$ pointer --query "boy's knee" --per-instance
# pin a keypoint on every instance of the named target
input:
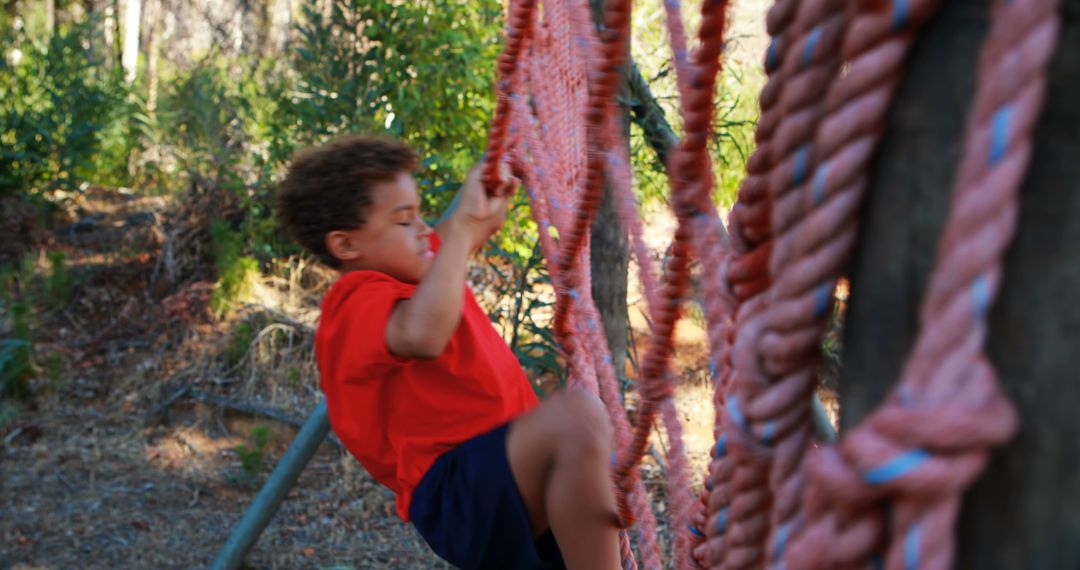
(585, 425)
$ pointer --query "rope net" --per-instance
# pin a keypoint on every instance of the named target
(888, 493)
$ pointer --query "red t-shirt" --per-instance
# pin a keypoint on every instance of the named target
(396, 416)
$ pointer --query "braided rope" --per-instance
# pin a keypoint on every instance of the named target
(792, 231)
(806, 219)
(774, 386)
(690, 173)
(655, 386)
(776, 400)
(735, 485)
(551, 159)
(580, 367)
(519, 23)
(930, 440)
(646, 522)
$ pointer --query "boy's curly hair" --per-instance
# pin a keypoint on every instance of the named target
(328, 187)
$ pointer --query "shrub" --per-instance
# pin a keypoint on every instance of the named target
(16, 365)
(251, 458)
(237, 273)
(243, 335)
(58, 286)
(56, 104)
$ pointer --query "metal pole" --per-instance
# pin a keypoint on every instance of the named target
(268, 500)
(822, 425)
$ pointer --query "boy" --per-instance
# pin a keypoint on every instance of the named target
(420, 387)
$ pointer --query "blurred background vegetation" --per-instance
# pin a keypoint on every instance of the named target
(150, 305)
(203, 102)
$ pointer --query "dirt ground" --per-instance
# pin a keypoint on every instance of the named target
(126, 454)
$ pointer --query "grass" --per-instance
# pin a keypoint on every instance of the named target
(252, 454)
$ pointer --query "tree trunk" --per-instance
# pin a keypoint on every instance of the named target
(280, 21)
(132, 30)
(110, 29)
(1024, 512)
(609, 259)
(50, 18)
(154, 32)
(649, 115)
(608, 263)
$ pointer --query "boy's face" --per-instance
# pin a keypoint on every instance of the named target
(394, 239)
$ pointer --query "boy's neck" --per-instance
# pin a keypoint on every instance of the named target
(347, 268)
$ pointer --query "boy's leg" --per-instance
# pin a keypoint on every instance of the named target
(560, 456)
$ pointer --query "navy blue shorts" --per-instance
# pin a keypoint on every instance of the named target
(469, 510)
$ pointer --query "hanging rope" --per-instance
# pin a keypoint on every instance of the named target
(549, 86)
(768, 292)
(745, 276)
(777, 348)
(930, 439)
(690, 172)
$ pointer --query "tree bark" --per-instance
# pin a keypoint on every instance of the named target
(50, 18)
(649, 115)
(111, 33)
(609, 262)
(154, 32)
(280, 22)
(132, 31)
(609, 258)
(1023, 513)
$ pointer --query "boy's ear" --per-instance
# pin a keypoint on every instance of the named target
(343, 245)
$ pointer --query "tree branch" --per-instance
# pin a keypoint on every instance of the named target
(646, 112)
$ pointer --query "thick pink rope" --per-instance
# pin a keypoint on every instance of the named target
(741, 276)
(930, 439)
(550, 160)
(571, 244)
(736, 487)
(580, 366)
(691, 191)
(777, 433)
(778, 286)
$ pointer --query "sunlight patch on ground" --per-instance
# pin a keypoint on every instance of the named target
(190, 451)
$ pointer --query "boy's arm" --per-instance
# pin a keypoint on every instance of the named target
(421, 326)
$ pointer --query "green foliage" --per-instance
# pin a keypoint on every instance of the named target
(243, 334)
(16, 365)
(9, 284)
(237, 273)
(16, 284)
(54, 370)
(734, 119)
(57, 106)
(226, 245)
(236, 284)
(735, 109)
(8, 413)
(252, 457)
(522, 290)
(292, 376)
(220, 126)
(58, 286)
(199, 122)
(422, 71)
